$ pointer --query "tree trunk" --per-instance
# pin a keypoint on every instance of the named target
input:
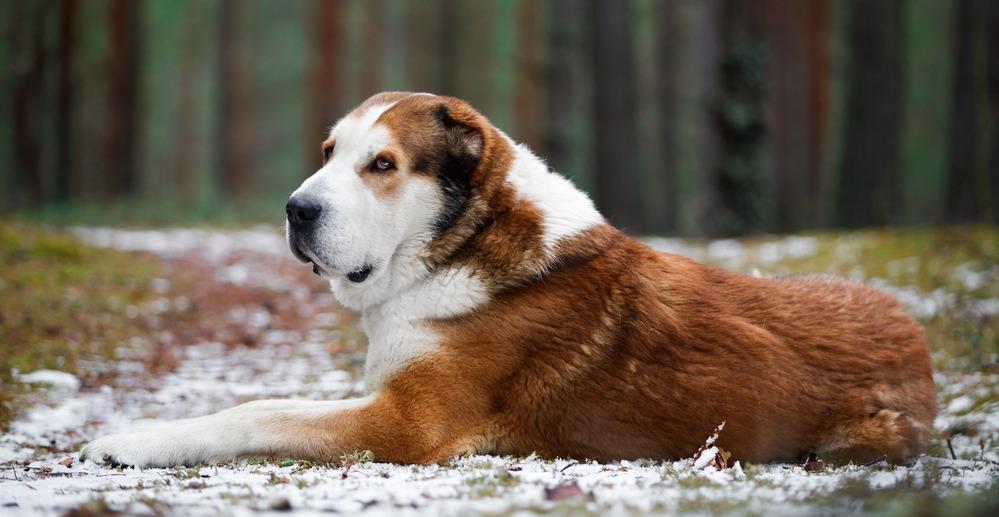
(561, 83)
(29, 59)
(798, 73)
(667, 90)
(819, 81)
(373, 23)
(708, 64)
(869, 192)
(449, 18)
(326, 88)
(962, 205)
(742, 183)
(423, 48)
(615, 132)
(235, 129)
(65, 89)
(188, 138)
(972, 132)
(124, 49)
(474, 41)
(789, 110)
(527, 95)
(992, 32)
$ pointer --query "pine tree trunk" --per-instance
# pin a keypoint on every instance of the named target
(742, 182)
(561, 83)
(819, 81)
(423, 47)
(962, 205)
(789, 111)
(29, 59)
(235, 129)
(124, 49)
(527, 95)
(667, 90)
(65, 90)
(326, 88)
(707, 58)
(373, 23)
(188, 138)
(970, 185)
(798, 96)
(449, 17)
(992, 30)
(474, 35)
(869, 191)
(615, 132)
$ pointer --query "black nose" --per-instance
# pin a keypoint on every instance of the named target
(302, 210)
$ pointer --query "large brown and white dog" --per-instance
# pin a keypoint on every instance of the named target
(505, 315)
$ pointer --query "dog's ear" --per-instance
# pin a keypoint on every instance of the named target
(464, 145)
(462, 133)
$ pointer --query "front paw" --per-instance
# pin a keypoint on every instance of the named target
(134, 449)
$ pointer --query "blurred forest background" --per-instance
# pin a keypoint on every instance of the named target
(682, 117)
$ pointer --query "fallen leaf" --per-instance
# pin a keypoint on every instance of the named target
(569, 490)
(711, 455)
(813, 463)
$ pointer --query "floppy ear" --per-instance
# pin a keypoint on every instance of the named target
(463, 151)
(462, 133)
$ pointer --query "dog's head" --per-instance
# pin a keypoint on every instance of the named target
(397, 173)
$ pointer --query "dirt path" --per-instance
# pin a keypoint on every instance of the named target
(247, 322)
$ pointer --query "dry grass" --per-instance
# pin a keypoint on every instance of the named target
(63, 305)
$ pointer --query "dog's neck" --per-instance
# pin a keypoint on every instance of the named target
(531, 223)
(518, 224)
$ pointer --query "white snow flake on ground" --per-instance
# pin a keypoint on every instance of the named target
(39, 477)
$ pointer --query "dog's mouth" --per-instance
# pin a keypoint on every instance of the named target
(356, 276)
(359, 275)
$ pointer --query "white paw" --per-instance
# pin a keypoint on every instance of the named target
(133, 449)
(146, 448)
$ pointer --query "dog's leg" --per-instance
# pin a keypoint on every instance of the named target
(316, 430)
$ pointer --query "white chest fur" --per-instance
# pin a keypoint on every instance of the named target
(397, 330)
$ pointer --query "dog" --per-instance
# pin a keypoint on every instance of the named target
(505, 315)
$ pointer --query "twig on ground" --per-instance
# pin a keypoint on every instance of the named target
(875, 461)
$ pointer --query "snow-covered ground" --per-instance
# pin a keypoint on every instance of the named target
(40, 473)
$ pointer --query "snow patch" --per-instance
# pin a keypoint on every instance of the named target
(54, 378)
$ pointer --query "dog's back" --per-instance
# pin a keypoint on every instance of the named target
(632, 353)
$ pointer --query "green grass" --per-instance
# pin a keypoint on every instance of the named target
(915, 494)
(62, 304)
(924, 258)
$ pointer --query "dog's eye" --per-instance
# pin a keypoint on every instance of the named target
(381, 165)
(327, 152)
